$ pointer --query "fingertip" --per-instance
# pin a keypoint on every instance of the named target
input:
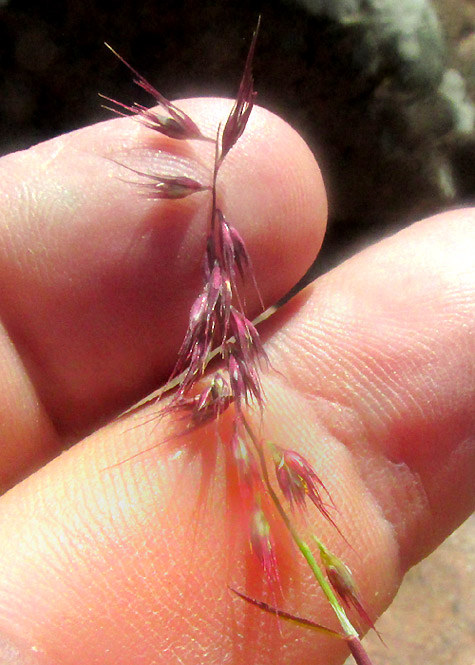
(274, 188)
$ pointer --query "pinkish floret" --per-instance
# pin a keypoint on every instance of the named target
(247, 338)
(168, 187)
(298, 480)
(163, 187)
(341, 579)
(176, 125)
(237, 120)
(212, 401)
(262, 544)
(244, 380)
(234, 254)
(246, 465)
(209, 317)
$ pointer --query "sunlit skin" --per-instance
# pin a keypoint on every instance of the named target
(374, 385)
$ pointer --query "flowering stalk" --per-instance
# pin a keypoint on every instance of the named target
(218, 326)
(306, 551)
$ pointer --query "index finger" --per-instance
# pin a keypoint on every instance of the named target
(97, 280)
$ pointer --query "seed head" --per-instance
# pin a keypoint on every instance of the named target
(209, 314)
(235, 257)
(244, 379)
(247, 338)
(210, 403)
(297, 479)
(246, 465)
(219, 298)
(168, 187)
(176, 124)
(233, 249)
(237, 120)
(344, 585)
(163, 187)
(196, 343)
(262, 543)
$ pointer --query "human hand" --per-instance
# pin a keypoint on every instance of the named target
(375, 384)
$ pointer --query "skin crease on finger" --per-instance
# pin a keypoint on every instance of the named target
(90, 269)
(375, 384)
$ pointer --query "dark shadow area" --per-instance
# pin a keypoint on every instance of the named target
(374, 88)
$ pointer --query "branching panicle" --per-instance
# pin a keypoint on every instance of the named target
(219, 328)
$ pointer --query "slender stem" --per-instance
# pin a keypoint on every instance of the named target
(216, 166)
(326, 588)
(358, 651)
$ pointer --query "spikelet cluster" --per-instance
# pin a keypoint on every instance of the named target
(218, 324)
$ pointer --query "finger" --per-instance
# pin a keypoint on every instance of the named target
(111, 565)
(393, 341)
(97, 280)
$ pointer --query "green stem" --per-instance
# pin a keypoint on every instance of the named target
(325, 586)
(345, 623)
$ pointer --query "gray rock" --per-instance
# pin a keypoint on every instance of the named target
(394, 126)
(371, 85)
(402, 36)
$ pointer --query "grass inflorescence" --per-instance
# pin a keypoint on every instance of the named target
(267, 474)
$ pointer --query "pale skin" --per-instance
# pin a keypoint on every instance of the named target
(375, 385)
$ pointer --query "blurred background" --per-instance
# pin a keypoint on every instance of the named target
(382, 90)
(431, 620)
